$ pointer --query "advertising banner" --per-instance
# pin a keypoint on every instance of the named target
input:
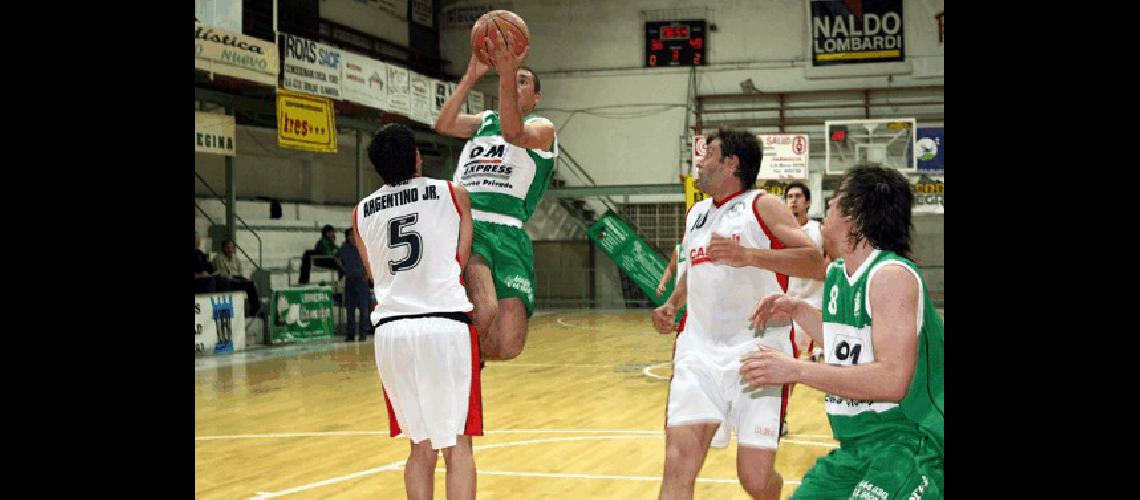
(305, 122)
(399, 91)
(363, 80)
(310, 67)
(214, 133)
(219, 322)
(846, 32)
(785, 157)
(233, 54)
(301, 314)
(632, 255)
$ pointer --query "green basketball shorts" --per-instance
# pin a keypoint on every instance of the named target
(882, 466)
(508, 253)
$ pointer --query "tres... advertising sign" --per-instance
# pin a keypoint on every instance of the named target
(305, 122)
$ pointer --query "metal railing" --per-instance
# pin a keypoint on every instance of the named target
(584, 177)
(256, 263)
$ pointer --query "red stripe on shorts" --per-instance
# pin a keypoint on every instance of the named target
(474, 425)
(393, 424)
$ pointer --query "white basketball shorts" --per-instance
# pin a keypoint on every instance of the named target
(430, 371)
(707, 388)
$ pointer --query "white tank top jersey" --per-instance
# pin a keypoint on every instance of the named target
(411, 234)
(808, 289)
(720, 297)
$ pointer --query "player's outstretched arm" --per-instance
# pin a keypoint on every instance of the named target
(663, 316)
(669, 270)
(799, 258)
(451, 121)
(894, 295)
(781, 308)
(537, 134)
(466, 228)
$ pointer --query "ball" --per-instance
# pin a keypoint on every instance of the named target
(505, 22)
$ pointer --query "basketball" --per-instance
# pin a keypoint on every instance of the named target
(505, 22)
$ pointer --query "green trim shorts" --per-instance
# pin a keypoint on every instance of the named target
(509, 255)
(882, 466)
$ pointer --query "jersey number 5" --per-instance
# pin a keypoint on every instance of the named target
(411, 239)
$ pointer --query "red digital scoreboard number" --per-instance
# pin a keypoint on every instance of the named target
(676, 43)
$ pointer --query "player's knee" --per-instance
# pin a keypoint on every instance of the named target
(424, 451)
(678, 464)
(757, 482)
(513, 345)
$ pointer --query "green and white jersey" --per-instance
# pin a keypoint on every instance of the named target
(847, 341)
(504, 179)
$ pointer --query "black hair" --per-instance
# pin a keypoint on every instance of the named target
(803, 187)
(327, 228)
(534, 78)
(879, 201)
(744, 146)
(348, 235)
(393, 153)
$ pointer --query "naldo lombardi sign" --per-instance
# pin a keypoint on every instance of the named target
(856, 31)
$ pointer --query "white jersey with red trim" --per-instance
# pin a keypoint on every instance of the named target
(411, 234)
(720, 297)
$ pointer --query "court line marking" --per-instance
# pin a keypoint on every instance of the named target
(326, 482)
(398, 465)
(568, 475)
(549, 365)
(644, 432)
(648, 371)
(565, 324)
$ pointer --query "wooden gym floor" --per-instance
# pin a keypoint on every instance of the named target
(578, 415)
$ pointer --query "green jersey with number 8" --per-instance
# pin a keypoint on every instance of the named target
(847, 342)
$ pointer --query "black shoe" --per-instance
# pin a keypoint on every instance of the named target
(349, 339)
(482, 364)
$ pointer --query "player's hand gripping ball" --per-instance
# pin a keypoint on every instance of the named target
(505, 22)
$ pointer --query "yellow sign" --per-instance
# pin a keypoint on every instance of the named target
(305, 122)
(776, 188)
(692, 194)
(930, 188)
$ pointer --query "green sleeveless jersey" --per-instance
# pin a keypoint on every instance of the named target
(847, 342)
(501, 177)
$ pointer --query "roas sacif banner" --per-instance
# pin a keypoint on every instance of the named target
(309, 66)
(305, 122)
(856, 31)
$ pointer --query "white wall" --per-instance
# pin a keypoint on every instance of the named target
(368, 18)
(588, 56)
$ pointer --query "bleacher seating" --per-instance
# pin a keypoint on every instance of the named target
(283, 241)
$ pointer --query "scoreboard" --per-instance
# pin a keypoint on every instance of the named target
(676, 43)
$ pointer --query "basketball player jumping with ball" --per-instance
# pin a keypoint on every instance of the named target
(506, 165)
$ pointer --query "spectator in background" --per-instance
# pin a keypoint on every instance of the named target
(323, 255)
(798, 198)
(356, 292)
(231, 277)
(203, 280)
